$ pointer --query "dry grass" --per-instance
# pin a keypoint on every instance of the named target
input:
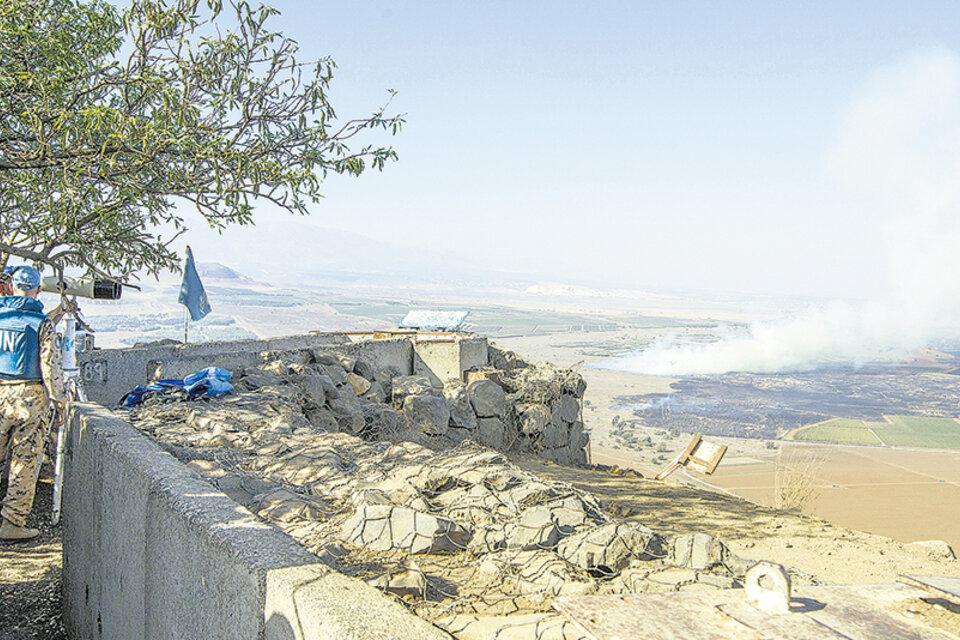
(795, 483)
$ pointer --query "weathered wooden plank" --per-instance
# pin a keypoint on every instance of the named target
(658, 616)
(873, 611)
(942, 586)
(854, 612)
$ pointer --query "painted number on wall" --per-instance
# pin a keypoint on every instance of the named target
(94, 371)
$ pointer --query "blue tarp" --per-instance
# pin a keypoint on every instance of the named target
(206, 383)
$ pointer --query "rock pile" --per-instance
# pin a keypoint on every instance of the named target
(524, 407)
(545, 407)
(465, 538)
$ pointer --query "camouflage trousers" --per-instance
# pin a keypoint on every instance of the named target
(24, 409)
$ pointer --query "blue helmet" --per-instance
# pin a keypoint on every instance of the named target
(25, 278)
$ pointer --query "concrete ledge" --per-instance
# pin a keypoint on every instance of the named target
(152, 551)
(315, 603)
(107, 374)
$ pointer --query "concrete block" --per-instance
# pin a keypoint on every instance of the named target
(313, 602)
(107, 374)
(444, 361)
(152, 551)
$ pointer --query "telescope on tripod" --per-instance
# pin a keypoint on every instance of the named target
(95, 288)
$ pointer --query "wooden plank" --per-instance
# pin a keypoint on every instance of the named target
(680, 459)
(787, 626)
(657, 616)
(854, 612)
(938, 585)
(873, 611)
(706, 456)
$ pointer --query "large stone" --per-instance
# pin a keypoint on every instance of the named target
(336, 373)
(325, 358)
(375, 393)
(609, 548)
(578, 439)
(348, 411)
(365, 369)
(427, 413)
(344, 405)
(404, 386)
(937, 549)
(360, 384)
(696, 551)
(381, 420)
(534, 573)
(259, 378)
(312, 386)
(573, 383)
(403, 580)
(569, 408)
(534, 530)
(458, 403)
(491, 432)
(283, 505)
(555, 435)
(322, 419)
(504, 359)
(488, 399)
(571, 514)
(384, 528)
(533, 418)
(329, 389)
(385, 376)
(347, 362)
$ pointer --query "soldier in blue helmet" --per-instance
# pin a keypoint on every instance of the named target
(6, 285)
(31, 379)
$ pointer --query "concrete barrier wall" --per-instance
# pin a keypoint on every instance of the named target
(107, 374)
(447, 360)
(152, 551)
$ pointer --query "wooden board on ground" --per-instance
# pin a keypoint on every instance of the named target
(699, 455)
(855, 612)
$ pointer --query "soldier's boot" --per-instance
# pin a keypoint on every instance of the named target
(10, 532)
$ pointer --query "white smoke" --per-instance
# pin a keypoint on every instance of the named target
(898, 147)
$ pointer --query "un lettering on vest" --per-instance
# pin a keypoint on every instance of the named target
(8, 340)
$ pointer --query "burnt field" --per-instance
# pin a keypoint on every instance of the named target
(768, 406)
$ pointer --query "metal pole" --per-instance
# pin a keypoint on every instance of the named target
(72, 379)
(186, 320)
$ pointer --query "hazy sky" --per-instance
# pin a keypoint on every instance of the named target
(697, 145)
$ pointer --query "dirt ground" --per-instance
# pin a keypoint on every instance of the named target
(909, 495)
(30, 573)
(830, 553)
(30, 596)
(906, 495)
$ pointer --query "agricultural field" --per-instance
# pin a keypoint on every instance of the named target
(895, 430)
(501, 321)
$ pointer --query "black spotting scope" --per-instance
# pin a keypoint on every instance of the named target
(96, 288)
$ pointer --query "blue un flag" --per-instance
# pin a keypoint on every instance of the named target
(192, 295)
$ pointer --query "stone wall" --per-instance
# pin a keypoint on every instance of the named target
(151, 551)
(107, 374)
(526, 407)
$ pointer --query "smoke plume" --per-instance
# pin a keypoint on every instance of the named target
(898, 149)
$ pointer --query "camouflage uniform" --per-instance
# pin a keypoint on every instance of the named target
(24, 409)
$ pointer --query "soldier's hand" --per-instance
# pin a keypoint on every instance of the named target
(59, 412)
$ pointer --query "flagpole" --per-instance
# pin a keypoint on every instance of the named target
(186, 321)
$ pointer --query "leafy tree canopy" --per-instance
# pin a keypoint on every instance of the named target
(110, 119)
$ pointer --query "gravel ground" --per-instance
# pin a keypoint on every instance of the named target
(30, 594)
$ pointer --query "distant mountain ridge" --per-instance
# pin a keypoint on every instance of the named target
(219, 271)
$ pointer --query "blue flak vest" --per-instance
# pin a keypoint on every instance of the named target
(20, 320)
